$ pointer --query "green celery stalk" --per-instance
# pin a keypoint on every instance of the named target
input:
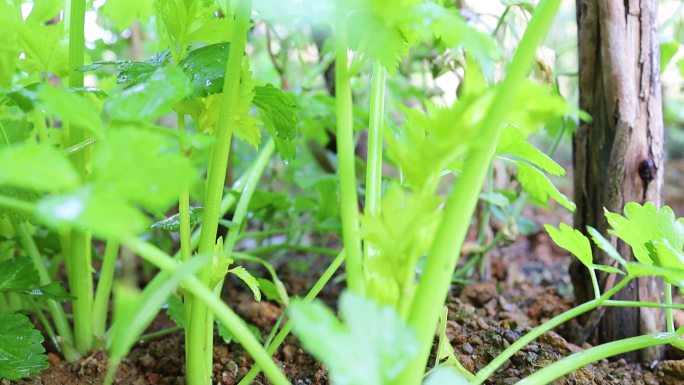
(200, 328)
(345, 165)
(434, 284)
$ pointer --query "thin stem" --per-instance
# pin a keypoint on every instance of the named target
(581, 359)
(658, 305)
(251, 183)
(374, 160)
(669, 317)
(54, 307)
(285, 331)
(159, 334)
(594, 282)
(225, 314)
(533, 334)
(305, 249)
(346, 166)
(199, 338)
(185, 229)
(104, 289)
(16, 205)
(443, 257)
(80, 279)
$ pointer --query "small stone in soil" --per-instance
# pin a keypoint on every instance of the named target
(467, 348)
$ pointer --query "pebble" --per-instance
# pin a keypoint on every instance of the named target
(148, 362)
(467, 348)
(482, 324)
(510, 335)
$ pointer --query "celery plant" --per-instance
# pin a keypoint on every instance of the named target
(79, 260)
(200, 336)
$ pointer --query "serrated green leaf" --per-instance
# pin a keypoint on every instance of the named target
(44, 10)
(53, 290)
(23, 97)
(176, 310)
(540, 187)
(21, 349)
(17, 274)
(248, 279)
(227, 336)
(172, 223)
(514, 142)
(45, 48)
(39, 167)
(646, 223)
(573, 241)
(674, 276)
(141, 167)
(151, 98)
(187, 22)
(122, 13)
(206, 68)
(71, 108)
(371, 347)
(605, 245)
(270, 290)
(130, 73)
(106, 216)
(245, 125)
(279, 112)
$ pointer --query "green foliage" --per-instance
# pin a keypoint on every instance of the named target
(71, 108)
(206, 68)
(646, 223)
(134, 311)
(190, 21)
(150, 98)
(540, 188)
(401, 234)
(371, 347)
(573, 241)
(279, 112)
(17, 274)
(123, 13)
(21, 349)
(29, 169)
(172, 223)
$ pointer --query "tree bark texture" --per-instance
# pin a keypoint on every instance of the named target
(618, 156)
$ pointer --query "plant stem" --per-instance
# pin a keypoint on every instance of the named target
(223, 313)
(374, 161)
(285, 331)
(533, 334)
(302, 248)
(253, 177)
(434, 284)
(159, 334)
(54, 307)
(345, 165)
(578, 360)
(669, 317)
(185, 230)
(80, 277)
(200, 339)
(16, 205)
(104, 290)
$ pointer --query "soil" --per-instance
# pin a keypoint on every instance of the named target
(528, 284)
